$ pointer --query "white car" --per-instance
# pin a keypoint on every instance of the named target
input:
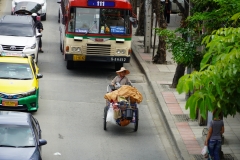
(19, 35)
(42, 12)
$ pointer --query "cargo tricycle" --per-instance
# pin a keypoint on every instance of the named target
(121, 111)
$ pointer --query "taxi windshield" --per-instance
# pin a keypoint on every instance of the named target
(20, 71)
(16, 136)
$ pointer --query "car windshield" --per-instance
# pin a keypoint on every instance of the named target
(15, 71)
(20, 30)
(16, 136)
(99, 21)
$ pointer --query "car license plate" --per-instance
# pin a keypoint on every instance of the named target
(78, 57)
(10, 103)
(11, 54)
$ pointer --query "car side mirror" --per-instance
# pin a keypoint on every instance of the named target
(42, 142)
(59, 1)
(39, 76)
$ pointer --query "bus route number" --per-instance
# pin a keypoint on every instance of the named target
(101, 3)
(118, 59)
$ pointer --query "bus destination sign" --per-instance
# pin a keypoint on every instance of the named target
(101, 3)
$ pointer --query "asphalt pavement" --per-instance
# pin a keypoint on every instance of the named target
(186, 133)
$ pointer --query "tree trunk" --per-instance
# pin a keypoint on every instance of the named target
(160, 57)
(134, 6)
(141, 19)
(180, 68)
(178, 74)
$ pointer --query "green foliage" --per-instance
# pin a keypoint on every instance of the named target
(183, 52)
(217, 84)
(213, 14)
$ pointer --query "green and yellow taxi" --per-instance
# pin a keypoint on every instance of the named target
(19, 88)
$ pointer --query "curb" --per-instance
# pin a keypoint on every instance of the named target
(145, 70)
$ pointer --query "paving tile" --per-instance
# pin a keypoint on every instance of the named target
(164, 82)
(170, 100)
(176, 112)
(182, 124)
(188, 130)
(174, 109)
(173, 105)
(167, 93)
(195, 151)
(191, 142)
(172, 68)
(163, 68)
(187, 138)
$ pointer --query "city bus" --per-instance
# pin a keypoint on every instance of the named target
(96, 31)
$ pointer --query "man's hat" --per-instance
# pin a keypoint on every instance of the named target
(123, 69)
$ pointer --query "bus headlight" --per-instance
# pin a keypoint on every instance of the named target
(120, 51)
(76, 49)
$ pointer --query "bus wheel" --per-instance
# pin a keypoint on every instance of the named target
(70, 65)
(118, 66)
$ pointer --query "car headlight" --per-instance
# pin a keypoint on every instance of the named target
(120, 51)
(17, 96)
(1, 49)
(31, 47)
(76, 49)
(29, 93)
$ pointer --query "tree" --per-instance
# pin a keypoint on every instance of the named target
(134, 6)
(217, 83)
(160, 57)
(141, 19)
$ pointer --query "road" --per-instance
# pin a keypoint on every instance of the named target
(72, 102)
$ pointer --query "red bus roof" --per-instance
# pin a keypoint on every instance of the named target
(120, 4)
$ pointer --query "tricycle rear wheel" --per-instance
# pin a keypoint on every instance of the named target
(136, 120)
(105, 118)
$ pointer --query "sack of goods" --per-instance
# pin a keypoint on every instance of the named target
(125, 91)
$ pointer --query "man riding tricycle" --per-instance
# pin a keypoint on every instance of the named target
(121, 105)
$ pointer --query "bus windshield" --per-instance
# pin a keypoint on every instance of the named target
(99, 21)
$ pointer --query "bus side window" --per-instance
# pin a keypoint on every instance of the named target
(71, 27)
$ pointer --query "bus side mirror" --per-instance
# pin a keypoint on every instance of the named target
(134, 21)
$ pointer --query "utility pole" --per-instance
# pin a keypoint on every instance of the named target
(189, 68)
(148, 22)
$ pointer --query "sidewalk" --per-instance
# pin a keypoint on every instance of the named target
(186, 133)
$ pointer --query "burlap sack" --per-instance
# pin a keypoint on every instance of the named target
(125, 91)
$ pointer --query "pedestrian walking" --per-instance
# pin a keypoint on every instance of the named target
(167, 10)
(214, 136)
(39, 27)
